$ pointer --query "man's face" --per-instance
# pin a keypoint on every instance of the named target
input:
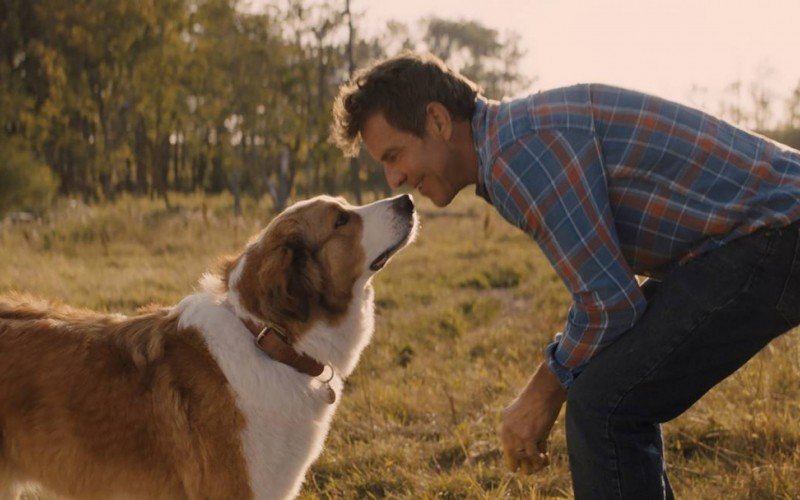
(427, 164)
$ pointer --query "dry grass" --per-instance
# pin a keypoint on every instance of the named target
(463, 316)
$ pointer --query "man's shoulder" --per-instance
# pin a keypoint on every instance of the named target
(580, 98)
(565, 109)
(574, 94)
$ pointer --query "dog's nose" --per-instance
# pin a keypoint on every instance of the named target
(404, 204)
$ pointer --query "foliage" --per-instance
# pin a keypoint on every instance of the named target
(149, 96)
(25, 182)
(480, 53)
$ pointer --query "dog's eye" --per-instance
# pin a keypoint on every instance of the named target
(342, 219)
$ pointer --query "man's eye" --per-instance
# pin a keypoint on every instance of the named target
(342, 219)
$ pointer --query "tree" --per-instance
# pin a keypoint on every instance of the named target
(793, 120)
(731, 106)
(762, 97)
(26, 183)
(480, 53)
(150, 96)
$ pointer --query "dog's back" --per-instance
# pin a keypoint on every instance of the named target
(131, 406)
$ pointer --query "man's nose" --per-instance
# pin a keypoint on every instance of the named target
(394, 178)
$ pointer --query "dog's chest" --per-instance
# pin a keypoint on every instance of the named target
(286, 413)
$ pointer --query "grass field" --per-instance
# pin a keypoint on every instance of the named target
(463, 316)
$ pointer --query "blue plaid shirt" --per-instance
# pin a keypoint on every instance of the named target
(612, 183)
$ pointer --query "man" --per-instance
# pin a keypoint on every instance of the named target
(611, 184)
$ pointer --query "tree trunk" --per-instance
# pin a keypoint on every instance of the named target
(182, 158)
(140, 157)
(174, 149)
(235, 184)
(355, 177)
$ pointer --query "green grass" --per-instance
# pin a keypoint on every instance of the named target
(462, 318)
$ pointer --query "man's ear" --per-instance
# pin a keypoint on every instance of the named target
(438, 121)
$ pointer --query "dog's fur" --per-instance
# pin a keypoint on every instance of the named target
(178, 402)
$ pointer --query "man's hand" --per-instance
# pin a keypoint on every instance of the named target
(528, 419)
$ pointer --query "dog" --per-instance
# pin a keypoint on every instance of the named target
(228, 394)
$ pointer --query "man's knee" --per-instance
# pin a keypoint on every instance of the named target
(598, 404)
(589, 406)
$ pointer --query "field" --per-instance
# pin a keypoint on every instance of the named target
(463, 316)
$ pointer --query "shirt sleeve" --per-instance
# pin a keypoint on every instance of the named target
(552, 184)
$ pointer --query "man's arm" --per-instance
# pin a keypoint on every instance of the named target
(553, 185)
(527, 422)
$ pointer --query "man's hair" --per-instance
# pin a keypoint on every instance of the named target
(401, 88)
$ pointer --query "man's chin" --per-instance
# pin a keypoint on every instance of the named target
(439, 196)
(441, 201)
(443, 198)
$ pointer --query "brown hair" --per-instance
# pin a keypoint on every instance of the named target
(401, 87)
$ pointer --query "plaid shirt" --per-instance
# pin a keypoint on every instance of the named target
(612, 183)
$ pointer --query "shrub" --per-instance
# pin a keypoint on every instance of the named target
(26, 183)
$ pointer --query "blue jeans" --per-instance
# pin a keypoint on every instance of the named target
(703, 321)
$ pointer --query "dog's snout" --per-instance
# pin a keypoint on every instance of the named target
(404, 204)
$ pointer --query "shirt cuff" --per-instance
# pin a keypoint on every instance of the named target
(565, 376)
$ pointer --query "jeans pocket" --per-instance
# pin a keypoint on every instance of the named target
(788, 304)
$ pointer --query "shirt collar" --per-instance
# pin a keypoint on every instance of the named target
(480, 140)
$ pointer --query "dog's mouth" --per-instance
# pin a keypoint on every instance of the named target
(383, 258)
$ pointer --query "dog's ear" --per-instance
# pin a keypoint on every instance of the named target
(286, 280)
(224, 269)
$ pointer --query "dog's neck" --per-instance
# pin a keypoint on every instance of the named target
(272, 339)
(338, 346)
(274, 342)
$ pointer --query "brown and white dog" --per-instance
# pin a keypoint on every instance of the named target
(179, 402)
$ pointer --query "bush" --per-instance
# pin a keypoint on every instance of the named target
(26, 183)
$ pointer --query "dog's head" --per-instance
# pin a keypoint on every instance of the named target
(311, 258)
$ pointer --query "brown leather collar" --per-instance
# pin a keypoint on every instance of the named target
(276, 345)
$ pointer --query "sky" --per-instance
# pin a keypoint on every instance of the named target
(664, 47)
